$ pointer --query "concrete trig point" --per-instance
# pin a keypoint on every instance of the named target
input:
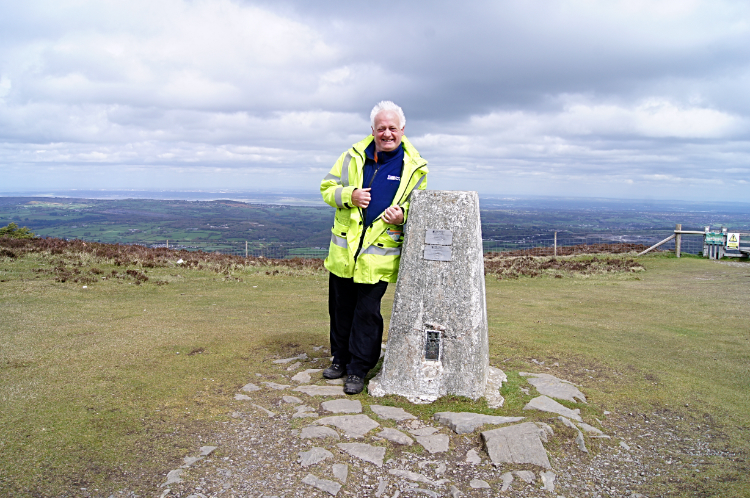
(437, 340)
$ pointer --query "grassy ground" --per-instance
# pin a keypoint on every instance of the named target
(673, 339)
(108, 387)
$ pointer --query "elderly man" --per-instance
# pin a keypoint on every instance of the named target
(370, 186)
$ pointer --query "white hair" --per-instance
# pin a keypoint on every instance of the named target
(387, 105)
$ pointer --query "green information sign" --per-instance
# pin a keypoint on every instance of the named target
(714, 238)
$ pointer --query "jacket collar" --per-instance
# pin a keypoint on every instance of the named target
(411, 155)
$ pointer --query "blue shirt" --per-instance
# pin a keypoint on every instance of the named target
(383, 177)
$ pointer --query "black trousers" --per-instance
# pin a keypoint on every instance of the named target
(356, 323)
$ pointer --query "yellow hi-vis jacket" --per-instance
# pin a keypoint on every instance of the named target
(367, 254)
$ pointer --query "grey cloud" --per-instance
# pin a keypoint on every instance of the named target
(483, 55)
(513, 95)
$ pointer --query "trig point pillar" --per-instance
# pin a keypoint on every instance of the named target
(437, 340)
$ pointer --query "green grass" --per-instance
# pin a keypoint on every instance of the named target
(677, 333)
(99, 386)
(109, 387)
(673, 339)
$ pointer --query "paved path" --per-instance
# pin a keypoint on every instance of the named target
(290, 436)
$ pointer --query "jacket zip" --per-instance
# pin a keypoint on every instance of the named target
(364, 230)
(407, 183)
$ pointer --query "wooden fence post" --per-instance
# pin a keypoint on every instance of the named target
(705, 246)
(245, 249)
(678, 240)
(555, 244)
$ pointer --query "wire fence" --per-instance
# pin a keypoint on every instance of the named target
(543, 244)
(532, 244)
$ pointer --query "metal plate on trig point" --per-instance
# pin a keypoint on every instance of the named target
(438, 237)
(438, 253)
(432, 345)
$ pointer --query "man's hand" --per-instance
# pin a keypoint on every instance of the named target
(393, 215)
(361, 197)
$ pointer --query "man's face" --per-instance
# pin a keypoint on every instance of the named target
(387, 131)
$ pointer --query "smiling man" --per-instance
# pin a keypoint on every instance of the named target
(370, 186)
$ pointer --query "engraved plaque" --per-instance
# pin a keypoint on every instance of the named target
(438, 237)
(432, 345)
(438, 253)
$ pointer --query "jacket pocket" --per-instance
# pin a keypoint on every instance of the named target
(396, 233)
(391, 237)
(340, 229)
(342, 217)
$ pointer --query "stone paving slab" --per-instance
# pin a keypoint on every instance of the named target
(304, 376)
(395, 436)
(318, 431)
(264, 410)
(424, 431)
(207, 450)
(465, 422)
(278, 387)
(545, 404)
(190, 460)
(173, 477)
(329, 487)
(313, 456)
(567, 423)
(548, 481)
(520, 443)
(302, 356)
(437, 443)
(581, 442)
(366, 452)
(590, 428)
(479, 484)
(416, 477)
(472, 457)
(342, 406)
(526, 476)
(507, 478)
(305, 411)
(382, 484)
(353, 425)
(551, 386)
(391, 413)
(579, 437)
(495, 379)
(340, 471)
(321, 390)
(546, 430)
(250, 387)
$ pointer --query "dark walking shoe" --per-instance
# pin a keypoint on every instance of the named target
(354, 384)
(335, 371)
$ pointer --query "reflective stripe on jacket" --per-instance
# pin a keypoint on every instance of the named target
(367, 254)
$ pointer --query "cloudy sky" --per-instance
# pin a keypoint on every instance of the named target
(625, 99)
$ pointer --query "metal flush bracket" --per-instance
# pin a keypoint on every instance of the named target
(432, 345)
